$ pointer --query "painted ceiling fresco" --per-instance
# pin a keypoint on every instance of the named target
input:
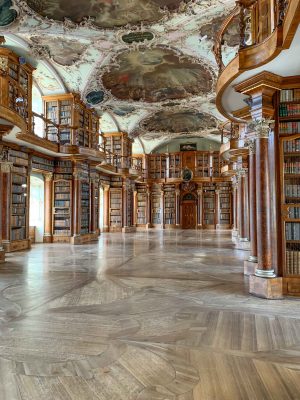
(183, 121)
(155, 75)
(106, 13)
(147, 66)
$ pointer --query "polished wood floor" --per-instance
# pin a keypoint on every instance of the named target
(145, 316)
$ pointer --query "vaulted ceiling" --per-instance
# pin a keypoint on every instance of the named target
(147, 66)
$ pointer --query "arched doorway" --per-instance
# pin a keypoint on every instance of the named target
(189, 211)
(36, 210)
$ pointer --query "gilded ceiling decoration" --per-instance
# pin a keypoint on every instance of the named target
(107, 13)
(176, 123)
(155, 75)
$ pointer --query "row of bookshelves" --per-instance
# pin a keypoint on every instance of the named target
(289, 128)
(289, 95)
(292, 231)
(289, 110)
(291, 146)
(291, 165)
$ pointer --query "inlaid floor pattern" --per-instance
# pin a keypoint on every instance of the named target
(145, 316)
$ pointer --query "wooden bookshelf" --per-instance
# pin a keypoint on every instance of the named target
(118, 143)
(62, 201)
(209, 206)
(225, 205)
(141, 205)
(16, 87)
(115, 210)
(43, 164)
(169, 206)
(19, 205)
(175, 165)
(156, 206)
(78, 124)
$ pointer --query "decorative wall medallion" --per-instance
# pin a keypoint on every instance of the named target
(7, 14)
(95, 97)
(188, 147)
(186, 175)
(155, 75)
(137, 37)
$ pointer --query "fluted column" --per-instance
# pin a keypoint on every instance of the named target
(93, 199)
(199, 208)
(48, 207)
(106, 208)
(4, 169)
(125, 205)
(162, 205)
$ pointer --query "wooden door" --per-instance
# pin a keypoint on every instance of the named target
(188, 215)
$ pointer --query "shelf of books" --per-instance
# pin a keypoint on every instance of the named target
(175, 165)
(115, 210)
(215, 160)
(289, 132)
(84, 207)
(209, 205)
(169, 206)
(224, 208)
(62, 201)
(129, 210)
(59, 110)
(141, 205)
(157, 166)
(42, 164)
(202, 164)
(19, 230)
(156, 209)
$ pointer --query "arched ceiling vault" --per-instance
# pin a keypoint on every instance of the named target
(147, 66)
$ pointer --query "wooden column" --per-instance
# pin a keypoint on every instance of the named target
(177, 193)
(162, 204)
(217, 214)
(199, 208)
(125, 205)
(3, 167)
(6, 203)
(48, 207)
(93, 216)
(235, 208)
(264, 283)
(242, 205)
(135, 207)
(252, 202)
(76, 208)
(106, 208)
(264, 246)
(148, 224)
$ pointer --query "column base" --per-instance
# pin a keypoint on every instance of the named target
(129, 229)
(105, 229)
(242, 244)
(2, 256)
(234, 233)
(266, 288)
(249, 267)
(47, 239)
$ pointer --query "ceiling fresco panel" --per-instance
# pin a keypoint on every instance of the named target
(155, 75)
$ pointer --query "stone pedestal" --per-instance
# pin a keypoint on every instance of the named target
(266, 288)
(242, 244)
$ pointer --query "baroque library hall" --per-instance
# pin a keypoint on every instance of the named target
(149, 200)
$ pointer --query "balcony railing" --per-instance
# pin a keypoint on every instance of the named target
(255, 20)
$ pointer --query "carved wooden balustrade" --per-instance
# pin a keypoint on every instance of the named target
(257, 20)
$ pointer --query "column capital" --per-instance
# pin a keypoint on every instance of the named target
(48, 177)
(242, 172)
(6, 166)
(251, 145)
(261, 127)
(106, 188)
(199, 192)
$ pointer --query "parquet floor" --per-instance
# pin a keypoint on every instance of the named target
(145, 316)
